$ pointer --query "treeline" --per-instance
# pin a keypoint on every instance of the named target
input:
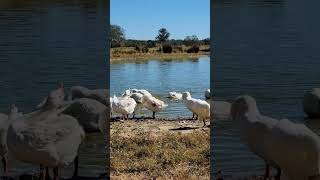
(154, 43)
(162, 40)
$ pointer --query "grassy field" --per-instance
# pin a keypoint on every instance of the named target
(159, 149)
(179, 52)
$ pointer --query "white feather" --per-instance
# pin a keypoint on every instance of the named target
(123, 105)
(153, 104)
(45, 136)
(175, 95)
(292, 147)
(197, 106)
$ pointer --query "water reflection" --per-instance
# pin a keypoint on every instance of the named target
(42, 42)
(162, 76)
(267, 50)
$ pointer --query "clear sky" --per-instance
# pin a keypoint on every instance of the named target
(142, 19)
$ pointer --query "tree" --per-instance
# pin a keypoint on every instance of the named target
(191, 40)
(163, 35)
(117, 35)
(206, 41)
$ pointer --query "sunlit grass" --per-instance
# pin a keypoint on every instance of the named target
(164, 155)
(129, 53)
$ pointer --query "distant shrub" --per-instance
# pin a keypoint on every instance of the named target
(145, 49)
(193, 49)
(206, 49)
(142, 49)
(167, 48)
(150, 44)
(137, 48)
(178, 49)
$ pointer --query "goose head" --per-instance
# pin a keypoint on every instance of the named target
(14, 113)
(55, 98)
(126, 93)
(13, 109)
(243, 105)
(185, 95)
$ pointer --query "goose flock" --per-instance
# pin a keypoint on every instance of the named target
(130, 101)
(40, 137)
(50, 136)
(288, 147)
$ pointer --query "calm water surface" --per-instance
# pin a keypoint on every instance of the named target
(269, 50)
(160, 77)
(42, 42)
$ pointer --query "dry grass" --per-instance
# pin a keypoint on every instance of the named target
(160, 155)
(129, 53)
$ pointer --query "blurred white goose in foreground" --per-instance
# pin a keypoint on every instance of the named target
(4, 124)
(221, 108)
(282, 144)
(100, 95)
(88, 112)
(153, 104)
(124, 106)
(311, 105)
(111, 101)
(207, 94)
(197, 106)
(253, 128)
(103, 124)
(46, 137)
(175, 95)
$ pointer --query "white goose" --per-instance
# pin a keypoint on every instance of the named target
(137, 97)
(103, 121)
(141, 91)
(46, 137)
(311, 105)
(253, 128)
(4, 124)
(136, 94)
(100, 95)
(175, 95)
(283, 144)
(153, 104)
(207, 94)
(221, 108)
(87, 112)
(111, 101)
(197, 106)
(124, 106)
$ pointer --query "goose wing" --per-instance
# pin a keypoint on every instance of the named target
(45, 141)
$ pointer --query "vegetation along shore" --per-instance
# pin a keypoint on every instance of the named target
(160, 48)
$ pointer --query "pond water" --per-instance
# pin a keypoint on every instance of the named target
(269, 50)
(160, 77)
(42, 42)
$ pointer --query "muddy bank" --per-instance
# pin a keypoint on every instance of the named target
(158, 125)
(155, 56)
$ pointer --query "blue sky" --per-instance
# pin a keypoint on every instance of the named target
(142, 19)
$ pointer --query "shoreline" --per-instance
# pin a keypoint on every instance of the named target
(160, 148)
(155, 56)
